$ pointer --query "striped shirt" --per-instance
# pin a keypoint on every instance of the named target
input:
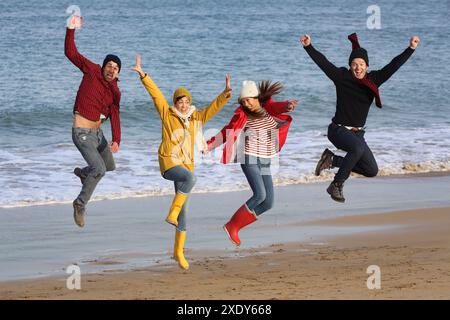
(95, 96)
(261, 136)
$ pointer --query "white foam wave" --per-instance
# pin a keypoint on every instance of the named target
(44, 176)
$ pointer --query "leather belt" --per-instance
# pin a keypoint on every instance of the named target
(353, 129)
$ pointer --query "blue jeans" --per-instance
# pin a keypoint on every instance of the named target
(359, 157)
(257, 172)
(184, 181)
(95, 150)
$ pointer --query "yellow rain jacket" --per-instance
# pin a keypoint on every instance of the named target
(179, 135)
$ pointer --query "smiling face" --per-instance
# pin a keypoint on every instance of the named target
(183, 104)
(358, 68)
(110, 71)
(251, 104)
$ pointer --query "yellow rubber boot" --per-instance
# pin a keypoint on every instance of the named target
(177, 204)
(178, 254)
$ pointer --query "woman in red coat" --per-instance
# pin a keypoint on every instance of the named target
(256, 133)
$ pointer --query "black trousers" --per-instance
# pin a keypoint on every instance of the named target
(359, 157)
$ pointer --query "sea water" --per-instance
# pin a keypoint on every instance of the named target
(195, 44)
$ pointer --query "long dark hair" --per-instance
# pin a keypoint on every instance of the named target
(267, 89)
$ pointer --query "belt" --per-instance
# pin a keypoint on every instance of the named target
(353, 129)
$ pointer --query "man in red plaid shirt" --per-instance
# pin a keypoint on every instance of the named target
(98, 97)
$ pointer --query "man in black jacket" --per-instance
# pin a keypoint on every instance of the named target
(355, 91)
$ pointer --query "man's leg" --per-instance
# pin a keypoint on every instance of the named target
(356, 147)
(86, 140)
(367, 165)
(351, 142)
(106, 154)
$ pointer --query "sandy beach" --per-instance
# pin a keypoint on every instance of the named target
(411, 248)
(389, 240)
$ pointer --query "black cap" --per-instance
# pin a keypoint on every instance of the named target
(357, 51)
(113, 58)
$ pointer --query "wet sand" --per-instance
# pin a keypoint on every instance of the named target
(413, 253)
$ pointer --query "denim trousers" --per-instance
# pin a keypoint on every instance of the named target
(95, 150)
(184, 180)
(257, 172)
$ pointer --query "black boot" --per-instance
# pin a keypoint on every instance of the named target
(325, 161)
(78, 213)
(79, 174)
(336, 191)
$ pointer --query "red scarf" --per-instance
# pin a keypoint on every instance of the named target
(366, 82)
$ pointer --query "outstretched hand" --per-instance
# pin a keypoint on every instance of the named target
(228, 83)
(138, 67)
(414, 42)
(291, 105)
(305, 40)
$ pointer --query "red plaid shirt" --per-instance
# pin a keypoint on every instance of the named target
(96, 95)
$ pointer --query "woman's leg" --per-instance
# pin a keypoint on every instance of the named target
(246, 215)
(267, 204)
(180, 233)
(185, 181)
(178, 249)
(184, 209)
(255, 180)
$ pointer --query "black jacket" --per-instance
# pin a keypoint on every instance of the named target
(354, 99)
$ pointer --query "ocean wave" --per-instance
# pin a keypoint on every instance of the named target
(41, 176)
(283, 179)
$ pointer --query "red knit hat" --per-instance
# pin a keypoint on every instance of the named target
(357, 51)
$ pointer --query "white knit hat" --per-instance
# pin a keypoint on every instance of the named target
(248, 90)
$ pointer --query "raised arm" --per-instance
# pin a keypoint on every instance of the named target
(279, 107)
(206, 114)
(382, 75)
(159, 100)
(71, 51)
(327, 67)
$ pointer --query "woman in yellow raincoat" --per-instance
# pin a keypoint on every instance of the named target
(181, 128)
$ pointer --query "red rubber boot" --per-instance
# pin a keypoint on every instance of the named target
(240, 219)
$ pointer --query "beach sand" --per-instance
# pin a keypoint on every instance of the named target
(413, 253)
